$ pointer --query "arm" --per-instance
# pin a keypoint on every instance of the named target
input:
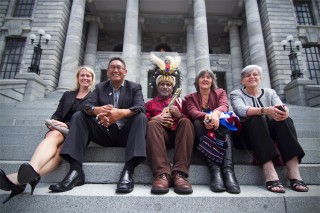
(193, 107)
(131, 103)
(57, 115)
(238, 103)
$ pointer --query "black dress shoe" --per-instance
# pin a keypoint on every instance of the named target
(7, 185)
(27, 174)
(72, 179)
(125, 184)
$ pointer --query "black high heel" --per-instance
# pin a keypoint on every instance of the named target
(7, 185)
(27, 174)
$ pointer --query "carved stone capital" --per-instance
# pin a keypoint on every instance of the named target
(232, 23)
(91, 18)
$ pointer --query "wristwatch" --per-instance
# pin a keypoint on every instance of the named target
(89, 110)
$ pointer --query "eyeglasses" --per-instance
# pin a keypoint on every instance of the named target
(112, 68)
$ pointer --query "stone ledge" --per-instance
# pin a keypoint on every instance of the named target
(102, 198)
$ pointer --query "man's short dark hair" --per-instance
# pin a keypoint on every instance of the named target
(117, 59)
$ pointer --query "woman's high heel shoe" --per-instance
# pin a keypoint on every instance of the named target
(7, 185)
(27, 174)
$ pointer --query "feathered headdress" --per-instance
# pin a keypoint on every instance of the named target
(167, 68)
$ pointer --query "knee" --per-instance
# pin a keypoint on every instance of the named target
(186, 123)
(153, 124)
(140, 117)
(78, 115)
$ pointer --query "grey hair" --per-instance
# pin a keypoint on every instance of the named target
(212, 75)
(249, 69)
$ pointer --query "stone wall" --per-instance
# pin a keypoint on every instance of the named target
(4, 4)
(278, 21)
(53, 17)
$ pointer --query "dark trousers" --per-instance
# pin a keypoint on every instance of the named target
(84, 128)
(260, 133)
(159, 138)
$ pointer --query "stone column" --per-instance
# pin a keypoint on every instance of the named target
(70, 60)
(130, 41)
(256, 41)
(12, 4)
(92, 40)
(236, 54)
(191, 71)
(202, 59)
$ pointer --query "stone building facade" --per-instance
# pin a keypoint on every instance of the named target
(221, 35)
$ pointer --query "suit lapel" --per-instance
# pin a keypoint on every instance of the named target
(123, 92)
(70, 99)
(109, 91)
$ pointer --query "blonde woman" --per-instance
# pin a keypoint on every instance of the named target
(46, 156)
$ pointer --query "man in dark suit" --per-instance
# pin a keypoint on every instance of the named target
(113, 116)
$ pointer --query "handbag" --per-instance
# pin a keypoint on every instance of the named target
(61, 129)
(213, 148)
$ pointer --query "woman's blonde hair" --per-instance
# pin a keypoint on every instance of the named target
(212, 75)
(93, 75)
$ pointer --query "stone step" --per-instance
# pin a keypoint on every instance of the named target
(108, 172)
(22, 146)
(38, 120)
(312, 132)
(103, 198)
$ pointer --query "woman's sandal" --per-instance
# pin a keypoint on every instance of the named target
(295, 183)
(273, 184)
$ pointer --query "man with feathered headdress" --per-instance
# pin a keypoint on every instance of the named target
(168, 127)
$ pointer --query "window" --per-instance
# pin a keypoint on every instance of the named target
(303, 12)
(313, 62)
(24, 8)
(11, 60)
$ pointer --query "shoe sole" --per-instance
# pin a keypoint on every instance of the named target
(54, 189)
(159, 191)
(26, 174)
(122, 191)
(183, 192)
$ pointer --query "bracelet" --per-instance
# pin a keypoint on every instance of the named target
(97, 117)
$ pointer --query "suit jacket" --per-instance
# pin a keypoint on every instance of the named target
(218, 100)
(65, 104)
(130, 96)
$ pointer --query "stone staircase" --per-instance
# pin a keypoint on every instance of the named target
(22, 128)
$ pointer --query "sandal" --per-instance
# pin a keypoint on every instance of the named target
(273, 184)
(295, 183)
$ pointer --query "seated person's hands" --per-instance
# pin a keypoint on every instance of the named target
(174, 111)
(277, 113)
(211, 122)
(165, 119)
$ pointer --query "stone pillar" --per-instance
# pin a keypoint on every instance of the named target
(92, 41)
(202, 59)
(191, 71)
(130, 41)
(256, 41)
(70, 60)
(12, 4)
(236, 54)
